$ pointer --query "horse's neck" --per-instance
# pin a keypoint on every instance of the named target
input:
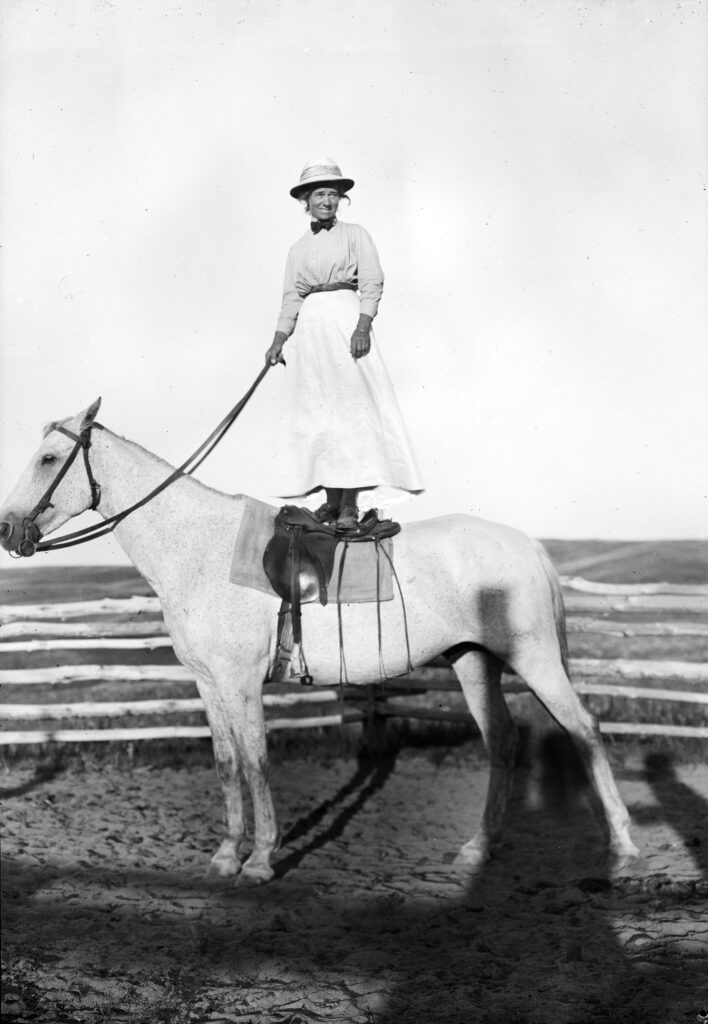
(170, 536)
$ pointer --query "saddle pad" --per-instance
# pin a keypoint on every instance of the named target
(254, 532)
(358, 578)
(359, 575)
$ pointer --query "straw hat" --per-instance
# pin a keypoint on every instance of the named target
(323, 170)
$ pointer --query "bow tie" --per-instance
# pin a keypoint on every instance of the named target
(321, 225)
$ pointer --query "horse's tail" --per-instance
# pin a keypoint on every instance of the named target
(558, 604)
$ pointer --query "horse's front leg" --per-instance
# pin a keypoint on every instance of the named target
(249, 729)
(232, 697)
(226, 861)
(239, 742)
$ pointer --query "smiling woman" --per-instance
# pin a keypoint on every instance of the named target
(533, 176)
(345, 431)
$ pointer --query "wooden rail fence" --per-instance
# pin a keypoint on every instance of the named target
(93, 648)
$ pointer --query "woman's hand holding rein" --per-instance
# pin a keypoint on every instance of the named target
(275, 352)
(361, 338)
(360, 342)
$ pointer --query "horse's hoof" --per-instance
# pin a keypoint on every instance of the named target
(472, 855)
(624, 860)
(255, 874)
(222, 869)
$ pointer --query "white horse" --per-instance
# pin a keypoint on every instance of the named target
(482, 590)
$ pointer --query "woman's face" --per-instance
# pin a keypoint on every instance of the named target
(324, 202)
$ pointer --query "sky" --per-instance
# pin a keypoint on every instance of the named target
(534, 175)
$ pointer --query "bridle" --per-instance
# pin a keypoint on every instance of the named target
(82, 442)
(31, 534)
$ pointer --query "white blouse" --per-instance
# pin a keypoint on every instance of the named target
(345, 253)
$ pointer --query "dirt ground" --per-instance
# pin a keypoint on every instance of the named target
(107, 916)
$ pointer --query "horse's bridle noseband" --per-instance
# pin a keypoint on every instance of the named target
(31, 534)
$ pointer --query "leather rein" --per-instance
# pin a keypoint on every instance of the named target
(31, 538)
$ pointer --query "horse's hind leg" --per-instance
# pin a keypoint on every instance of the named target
(545, 675)
(479, 674)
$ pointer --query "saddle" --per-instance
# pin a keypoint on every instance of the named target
(299, 558)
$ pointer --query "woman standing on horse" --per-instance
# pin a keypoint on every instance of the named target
(346, 432)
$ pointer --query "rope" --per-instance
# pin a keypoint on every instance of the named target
(343, 677)
(403, 608)
(379, 634)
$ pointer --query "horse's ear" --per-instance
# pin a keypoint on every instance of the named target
(89, 415)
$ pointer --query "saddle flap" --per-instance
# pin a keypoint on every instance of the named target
(281, 566)
(298, 560)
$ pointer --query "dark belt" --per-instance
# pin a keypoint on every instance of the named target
(349, 285)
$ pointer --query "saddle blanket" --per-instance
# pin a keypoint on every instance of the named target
(360, 562)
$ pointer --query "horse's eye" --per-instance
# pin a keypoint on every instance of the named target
(47, 460)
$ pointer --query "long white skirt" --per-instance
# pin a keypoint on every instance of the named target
(343, 424)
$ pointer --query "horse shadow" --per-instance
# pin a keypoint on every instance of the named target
(531, 937)
(44, 772)
(678, 805)
(524, 915)
(369, 778)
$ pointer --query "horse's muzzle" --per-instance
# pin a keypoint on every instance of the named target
(27, 545)
(6, 531)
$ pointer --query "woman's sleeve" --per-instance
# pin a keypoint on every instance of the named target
(291, 300)
(370, 274)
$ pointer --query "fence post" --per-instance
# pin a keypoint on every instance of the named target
(376, 738)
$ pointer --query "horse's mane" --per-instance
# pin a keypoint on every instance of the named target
(155, 459)
(158, 460)
(145, 451)
(49, 427)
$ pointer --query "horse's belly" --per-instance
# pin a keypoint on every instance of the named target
(462, 580)
(363, 642)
